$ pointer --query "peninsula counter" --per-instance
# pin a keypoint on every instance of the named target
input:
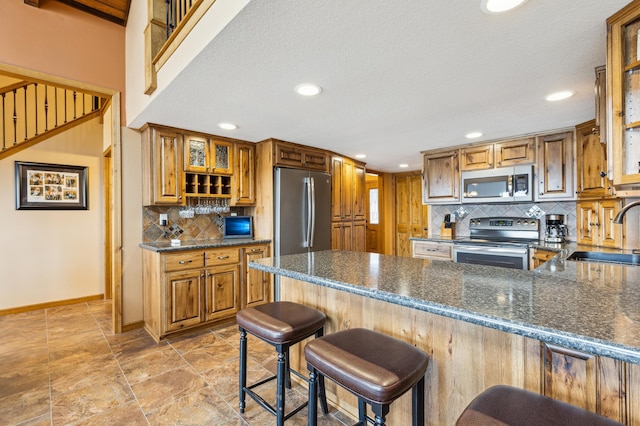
(567, 330)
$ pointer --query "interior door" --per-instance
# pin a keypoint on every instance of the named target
(373, 214)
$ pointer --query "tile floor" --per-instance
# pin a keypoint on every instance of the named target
(64, 366)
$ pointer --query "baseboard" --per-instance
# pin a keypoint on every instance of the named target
(47, 305)
(132, 326)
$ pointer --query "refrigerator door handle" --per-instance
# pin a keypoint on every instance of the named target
(307, 240)
(312, 226)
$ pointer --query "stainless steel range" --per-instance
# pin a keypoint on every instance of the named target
(498, 241)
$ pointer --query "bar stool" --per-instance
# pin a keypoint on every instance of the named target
(506, 405)
(281, 324)
(377, 368)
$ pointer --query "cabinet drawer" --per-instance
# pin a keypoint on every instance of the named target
(222, 256)
(183, 261)
(431, 250)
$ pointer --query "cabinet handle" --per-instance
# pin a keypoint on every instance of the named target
(255, 249)
(183, 262)
(219, 285)
(222, 257)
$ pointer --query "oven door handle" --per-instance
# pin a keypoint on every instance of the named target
(505, 250)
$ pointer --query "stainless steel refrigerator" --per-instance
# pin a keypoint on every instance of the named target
(302, 211)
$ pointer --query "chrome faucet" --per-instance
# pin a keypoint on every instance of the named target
(620, 215)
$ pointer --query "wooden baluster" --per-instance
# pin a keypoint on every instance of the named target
(25, 113)
(55, 109)
(65, 105)
(15, 119)
(35, 98)
(75, 102)
(4, 130)
(46, 108)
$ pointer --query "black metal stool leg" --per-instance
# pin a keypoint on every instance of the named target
(381, 411)
(362, 412)
(418, 403)
(313, 398)
(288, 382)
(280, 392)
(243, 368)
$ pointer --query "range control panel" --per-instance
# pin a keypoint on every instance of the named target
(505, 223)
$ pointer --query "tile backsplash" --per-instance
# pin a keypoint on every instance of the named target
(200, 227)
(567, 208)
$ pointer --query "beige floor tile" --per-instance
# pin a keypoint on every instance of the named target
(204, 407)
(67, 378)
(88, 344)
(206, 358)
(128, 350)
(128, 414)
(224, 377)
(189, 342)
(23, 376)
(166, 388)
(21, 407)
(115, 340)
(151, 364)
(89, 400)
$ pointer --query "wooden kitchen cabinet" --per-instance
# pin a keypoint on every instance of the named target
(411, 214)
(348, 210)
(188, 289)
(292, 155)
(623, 80)
(207, 155)
(555, 167)
(500, 154)
(595, 223)
(591, 167)
(161, 166)
(438, 250)
(441, 177)
(601, 103)
(539, 256)
(592, 382)
(244, 179)
(257, 289)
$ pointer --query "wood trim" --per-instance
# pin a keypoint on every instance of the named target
(108, 214)
(133, 326)
(116, 225)
(48, 305)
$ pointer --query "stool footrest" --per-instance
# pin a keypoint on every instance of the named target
(264, 404)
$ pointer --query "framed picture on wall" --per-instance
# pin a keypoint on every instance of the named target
(41, 186)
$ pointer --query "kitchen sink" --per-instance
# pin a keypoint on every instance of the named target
(602, 257)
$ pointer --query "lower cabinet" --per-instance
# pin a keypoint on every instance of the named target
(432, 250)
(349, 236)
(188, 289)
(595, 223)
(539, 256)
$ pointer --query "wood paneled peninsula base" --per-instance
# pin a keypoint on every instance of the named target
(567, 330)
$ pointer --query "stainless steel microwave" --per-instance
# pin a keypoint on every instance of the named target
(500, 185)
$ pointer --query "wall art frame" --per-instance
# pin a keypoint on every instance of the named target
(42, 186)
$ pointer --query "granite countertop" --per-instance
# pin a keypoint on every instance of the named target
(590, 307)
(201, 244)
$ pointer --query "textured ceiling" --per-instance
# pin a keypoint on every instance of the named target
(399, 77)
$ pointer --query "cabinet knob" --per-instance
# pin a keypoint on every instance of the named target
(602, 174)
(222, 257)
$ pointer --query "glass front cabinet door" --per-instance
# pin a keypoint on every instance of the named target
(623, 81)
(221, 155)
(196, 154)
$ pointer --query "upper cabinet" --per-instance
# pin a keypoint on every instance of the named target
(555, 167)
(591, 154)
(501, 154)
(244, 179)
(161, 166)
(441, 177)
(348, 210)
(623, 85)
(298, 156)
(207, 155)
(601, 103)
(178, 164)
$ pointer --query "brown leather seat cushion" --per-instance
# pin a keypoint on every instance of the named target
(281, 322)
(506, 405)
(370, 364)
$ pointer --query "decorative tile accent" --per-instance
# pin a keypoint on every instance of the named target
(535, 211)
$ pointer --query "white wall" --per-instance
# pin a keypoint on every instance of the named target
(216, 18)
(50, 255)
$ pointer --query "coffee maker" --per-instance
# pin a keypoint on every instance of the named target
(556, 230)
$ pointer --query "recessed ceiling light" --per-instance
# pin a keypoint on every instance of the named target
(227, 126)
(308, 89)
(403, 166)
(499, 6)
(361, 156)
(473, 135)
(558, 96)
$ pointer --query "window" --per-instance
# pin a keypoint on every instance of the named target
(373, 206)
